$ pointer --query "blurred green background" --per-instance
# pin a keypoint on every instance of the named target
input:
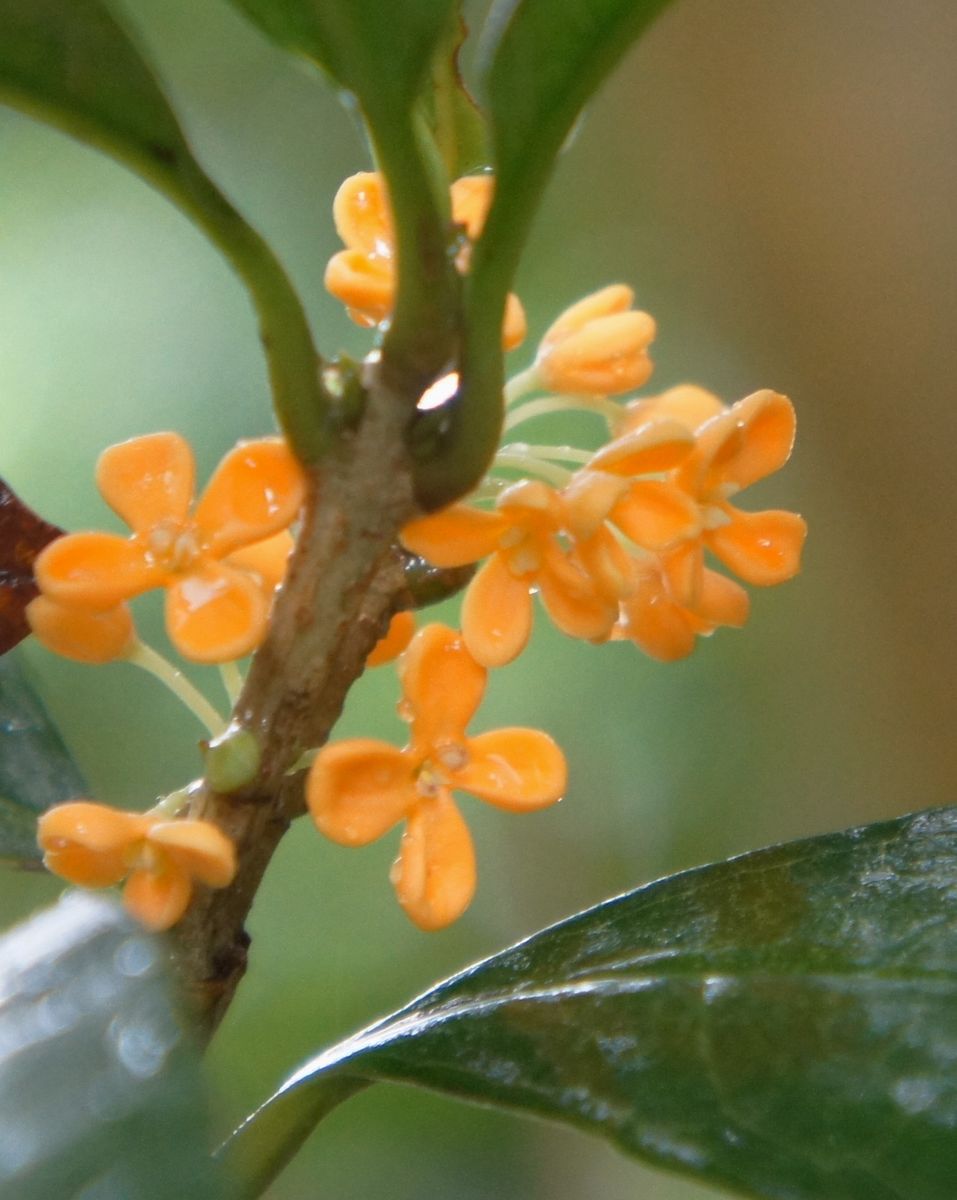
(778, 182)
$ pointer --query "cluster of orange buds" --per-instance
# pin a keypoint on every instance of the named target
(161, 859)
(363, 276)
(616, 549)
(219, 560)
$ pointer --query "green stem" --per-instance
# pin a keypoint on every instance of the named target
(522, 384)
(530, 465)
(562, 453)
(155, 664)
(232, 679)
(553, 404)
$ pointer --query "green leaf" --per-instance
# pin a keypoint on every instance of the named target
(542, 62)
(783, 1024)
(457, 124)
(100, 1094)
(382, 55)
(70, 63)
(36, 769)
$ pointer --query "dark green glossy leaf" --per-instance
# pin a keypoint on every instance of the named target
(454, 118)
(70, 63)
(36, 769)
(100, 1093)
(784, 1024)
(23, 535)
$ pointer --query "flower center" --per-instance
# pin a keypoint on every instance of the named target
(436, 771)
(173, 545)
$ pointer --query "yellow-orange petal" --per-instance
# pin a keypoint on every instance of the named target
(216, 614)
(605, 358)
(267, 559)
(256, 491)
(656, 514)
(365, 284)
(656, 446)
(516, 769)
(762, 548)
(687, 404)
(83, 634)
(496, 614)
(434, 875)
(656, 624)
(87, 843)
(471, 197)
(200, 849)
(94, 570)
(358, 789)
(616, 298)
(588, 499)
(722, 601)
(397, 637)
(750, 440)
(158, 896)
(362, 216)
(515, 325)
(577, 611)
(442, 685)
(454, 536)
(148, 480)
(609, 566)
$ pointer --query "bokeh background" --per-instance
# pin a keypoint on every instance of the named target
(778, 182)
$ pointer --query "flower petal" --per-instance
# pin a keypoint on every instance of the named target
(471, 196)
(516, 769)
(267, 559)
(588, 499)
(82, 634)
(687, 403)
(515, 324)
(257, 490)
(580, 613)
(94, 570)
(147, 480)
(396, 639)
(723, 601)
(358, 789)
(496, 614)
(216, 614)
(434, 875)
(158, 896)
(657, 446)
(767, 423)
(454, 536)
(610, 567)
(762, 548)
(656, 514)
(198, 848)
(362, 216)
(616, 298)
(442, 685)
(87, 843)
(652, 620)
(364, 283)
(605, 358)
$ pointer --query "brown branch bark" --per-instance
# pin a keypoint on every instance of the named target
(345, 580)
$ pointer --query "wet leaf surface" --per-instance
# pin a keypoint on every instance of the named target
(36, 769)
(783, 1024)
(100, 1094)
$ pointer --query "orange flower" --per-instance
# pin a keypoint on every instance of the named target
(96, 846)
(394, 641)
(738, 447)
(523, 538)
(666, 627)
(687, 403)
(359, 789)
(598, 346)
(363, 276)
(215, 611)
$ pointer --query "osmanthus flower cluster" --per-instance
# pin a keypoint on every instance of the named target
(616, 548)
(617, 542)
